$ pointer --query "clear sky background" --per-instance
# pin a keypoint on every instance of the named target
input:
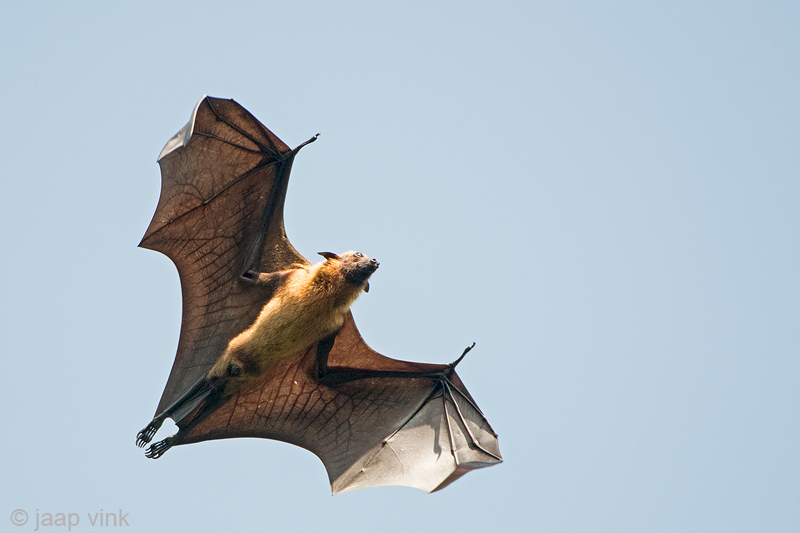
(603, 195)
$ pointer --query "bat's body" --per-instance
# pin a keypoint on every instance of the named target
(310, 304)
(268, 347)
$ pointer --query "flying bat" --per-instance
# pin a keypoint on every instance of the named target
(268, 347)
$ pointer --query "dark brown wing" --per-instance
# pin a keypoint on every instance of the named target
(223, 184)
(224, 179)
(416, 432)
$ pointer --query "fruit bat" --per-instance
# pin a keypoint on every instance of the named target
(268, 347)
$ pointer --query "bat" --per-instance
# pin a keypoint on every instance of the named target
(268, 347)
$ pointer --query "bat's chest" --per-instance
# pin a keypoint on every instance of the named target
(286, 326)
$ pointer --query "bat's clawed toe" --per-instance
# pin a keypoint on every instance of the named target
(147, 434)
(160, 448)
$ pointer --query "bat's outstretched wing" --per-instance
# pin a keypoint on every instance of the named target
(220, 214)
(412, 431)
(223, 184)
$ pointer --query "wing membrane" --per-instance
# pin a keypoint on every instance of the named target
(415, 432)
(224, 179)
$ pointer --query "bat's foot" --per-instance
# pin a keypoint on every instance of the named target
(147, 434)
(160, 448)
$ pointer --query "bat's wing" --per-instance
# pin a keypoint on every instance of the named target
(224, 179)
(223, 184)
(417, 432)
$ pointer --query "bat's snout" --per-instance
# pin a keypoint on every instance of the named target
(367, 267)
(357, 267)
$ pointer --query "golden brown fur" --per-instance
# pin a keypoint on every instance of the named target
(310, 305)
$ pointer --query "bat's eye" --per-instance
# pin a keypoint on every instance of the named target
(234, 370)
(359, 255)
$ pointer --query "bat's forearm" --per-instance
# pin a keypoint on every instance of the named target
(273, 279)
(341, 374)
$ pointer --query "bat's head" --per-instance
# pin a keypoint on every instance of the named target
(354, 266)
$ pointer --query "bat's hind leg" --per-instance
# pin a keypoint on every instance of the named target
(197, 395)
(147, 434)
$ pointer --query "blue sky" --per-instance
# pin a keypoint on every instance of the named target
(602, 195)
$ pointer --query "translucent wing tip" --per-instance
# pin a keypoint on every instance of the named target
(446, 438)
(181, 138)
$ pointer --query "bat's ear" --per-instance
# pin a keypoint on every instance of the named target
(328, 255)
(366, 287)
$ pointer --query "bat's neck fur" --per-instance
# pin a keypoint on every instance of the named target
(325, 286)
(310, 305)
